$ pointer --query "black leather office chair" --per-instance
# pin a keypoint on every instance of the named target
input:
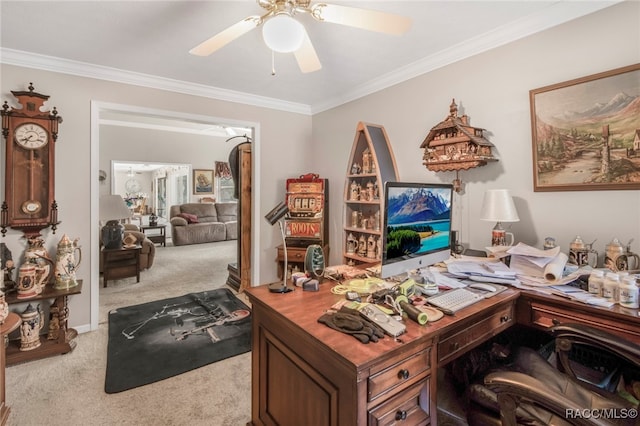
(531, 391)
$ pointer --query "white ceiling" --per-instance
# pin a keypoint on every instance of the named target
(147, 43)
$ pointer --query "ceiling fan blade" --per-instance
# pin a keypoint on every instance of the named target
(225, 37)
(306, 56)
(365, 19)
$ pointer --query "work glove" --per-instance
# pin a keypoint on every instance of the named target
(377, 330)
(351, 324)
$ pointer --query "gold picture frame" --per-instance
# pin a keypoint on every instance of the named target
(586, 132)
(203, 181)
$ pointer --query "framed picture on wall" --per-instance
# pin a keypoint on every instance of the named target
(586, 132)
(202, 181)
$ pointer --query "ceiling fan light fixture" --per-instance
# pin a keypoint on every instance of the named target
(283, 34)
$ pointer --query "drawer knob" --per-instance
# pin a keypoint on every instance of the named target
(455, 346)
(504, 319)
(403, 374)
(401, 415)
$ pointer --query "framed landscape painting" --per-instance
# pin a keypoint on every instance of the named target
(586, 132)
(202, 181)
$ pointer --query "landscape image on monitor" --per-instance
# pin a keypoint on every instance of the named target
(418, 220)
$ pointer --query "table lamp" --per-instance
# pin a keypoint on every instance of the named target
(497, 206)
(112, 210)
(276, 215)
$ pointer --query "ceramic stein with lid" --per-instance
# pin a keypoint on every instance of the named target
(27, 281)
(4, 308)
(32, 322)
(619, 259)
(582, 254)
(37, 255)
(67, 263)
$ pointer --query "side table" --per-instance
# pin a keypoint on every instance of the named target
(10, 323)
(121, 263)
(295, 257)
(157, 238)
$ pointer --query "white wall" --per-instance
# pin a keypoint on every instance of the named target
(284, 138)
(155, 146)
(493, 89)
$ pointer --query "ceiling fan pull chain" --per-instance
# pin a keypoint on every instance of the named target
(273, 63)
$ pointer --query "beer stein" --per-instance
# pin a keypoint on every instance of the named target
(633, 260)
(619, 259)
(32, 322)
(4, 308)
(37, 255)
(66, 263)
(27, 281)
(613, 254)
(582, 254)
(352, 244)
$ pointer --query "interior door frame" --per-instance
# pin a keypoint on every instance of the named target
(97, 107)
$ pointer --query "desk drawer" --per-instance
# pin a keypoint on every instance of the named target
(546, 316)
(404, 409)
(294, 254)
(398, 374)
(471, 334)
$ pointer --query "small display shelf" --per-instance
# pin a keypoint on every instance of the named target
(371, 164)
(58, 341)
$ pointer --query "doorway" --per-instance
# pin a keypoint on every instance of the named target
(104, 111)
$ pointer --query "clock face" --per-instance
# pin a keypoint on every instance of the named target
(132, 185)
(31, 136)
(31, 206)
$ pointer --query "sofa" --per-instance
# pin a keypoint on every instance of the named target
(196, 223)
(148, 251)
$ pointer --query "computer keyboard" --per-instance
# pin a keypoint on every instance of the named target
(452, 301)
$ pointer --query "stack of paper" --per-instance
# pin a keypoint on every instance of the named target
(485, 270)
(532, 262)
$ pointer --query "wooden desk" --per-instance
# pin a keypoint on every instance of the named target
(305, 373)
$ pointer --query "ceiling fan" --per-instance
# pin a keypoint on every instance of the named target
(283, 33)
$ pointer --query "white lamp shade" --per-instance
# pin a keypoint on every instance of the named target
(112, 207)
(497, 206)
(283, 34)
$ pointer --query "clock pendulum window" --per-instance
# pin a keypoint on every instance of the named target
(30, 135)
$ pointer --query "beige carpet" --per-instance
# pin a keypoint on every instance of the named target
(69, 389)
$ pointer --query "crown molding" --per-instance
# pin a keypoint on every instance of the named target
(556, 14)
(83, 69)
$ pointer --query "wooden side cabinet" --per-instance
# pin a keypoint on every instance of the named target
(158, 234)
(295, 257)
(120, 263)
(60, 338)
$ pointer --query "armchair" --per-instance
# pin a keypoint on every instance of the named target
(534, 392)
(148, 252)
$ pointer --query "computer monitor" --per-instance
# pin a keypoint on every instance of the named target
(417, 224)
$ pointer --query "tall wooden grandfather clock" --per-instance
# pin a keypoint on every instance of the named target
(30, 135)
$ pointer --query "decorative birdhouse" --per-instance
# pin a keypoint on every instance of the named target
(453, 144)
